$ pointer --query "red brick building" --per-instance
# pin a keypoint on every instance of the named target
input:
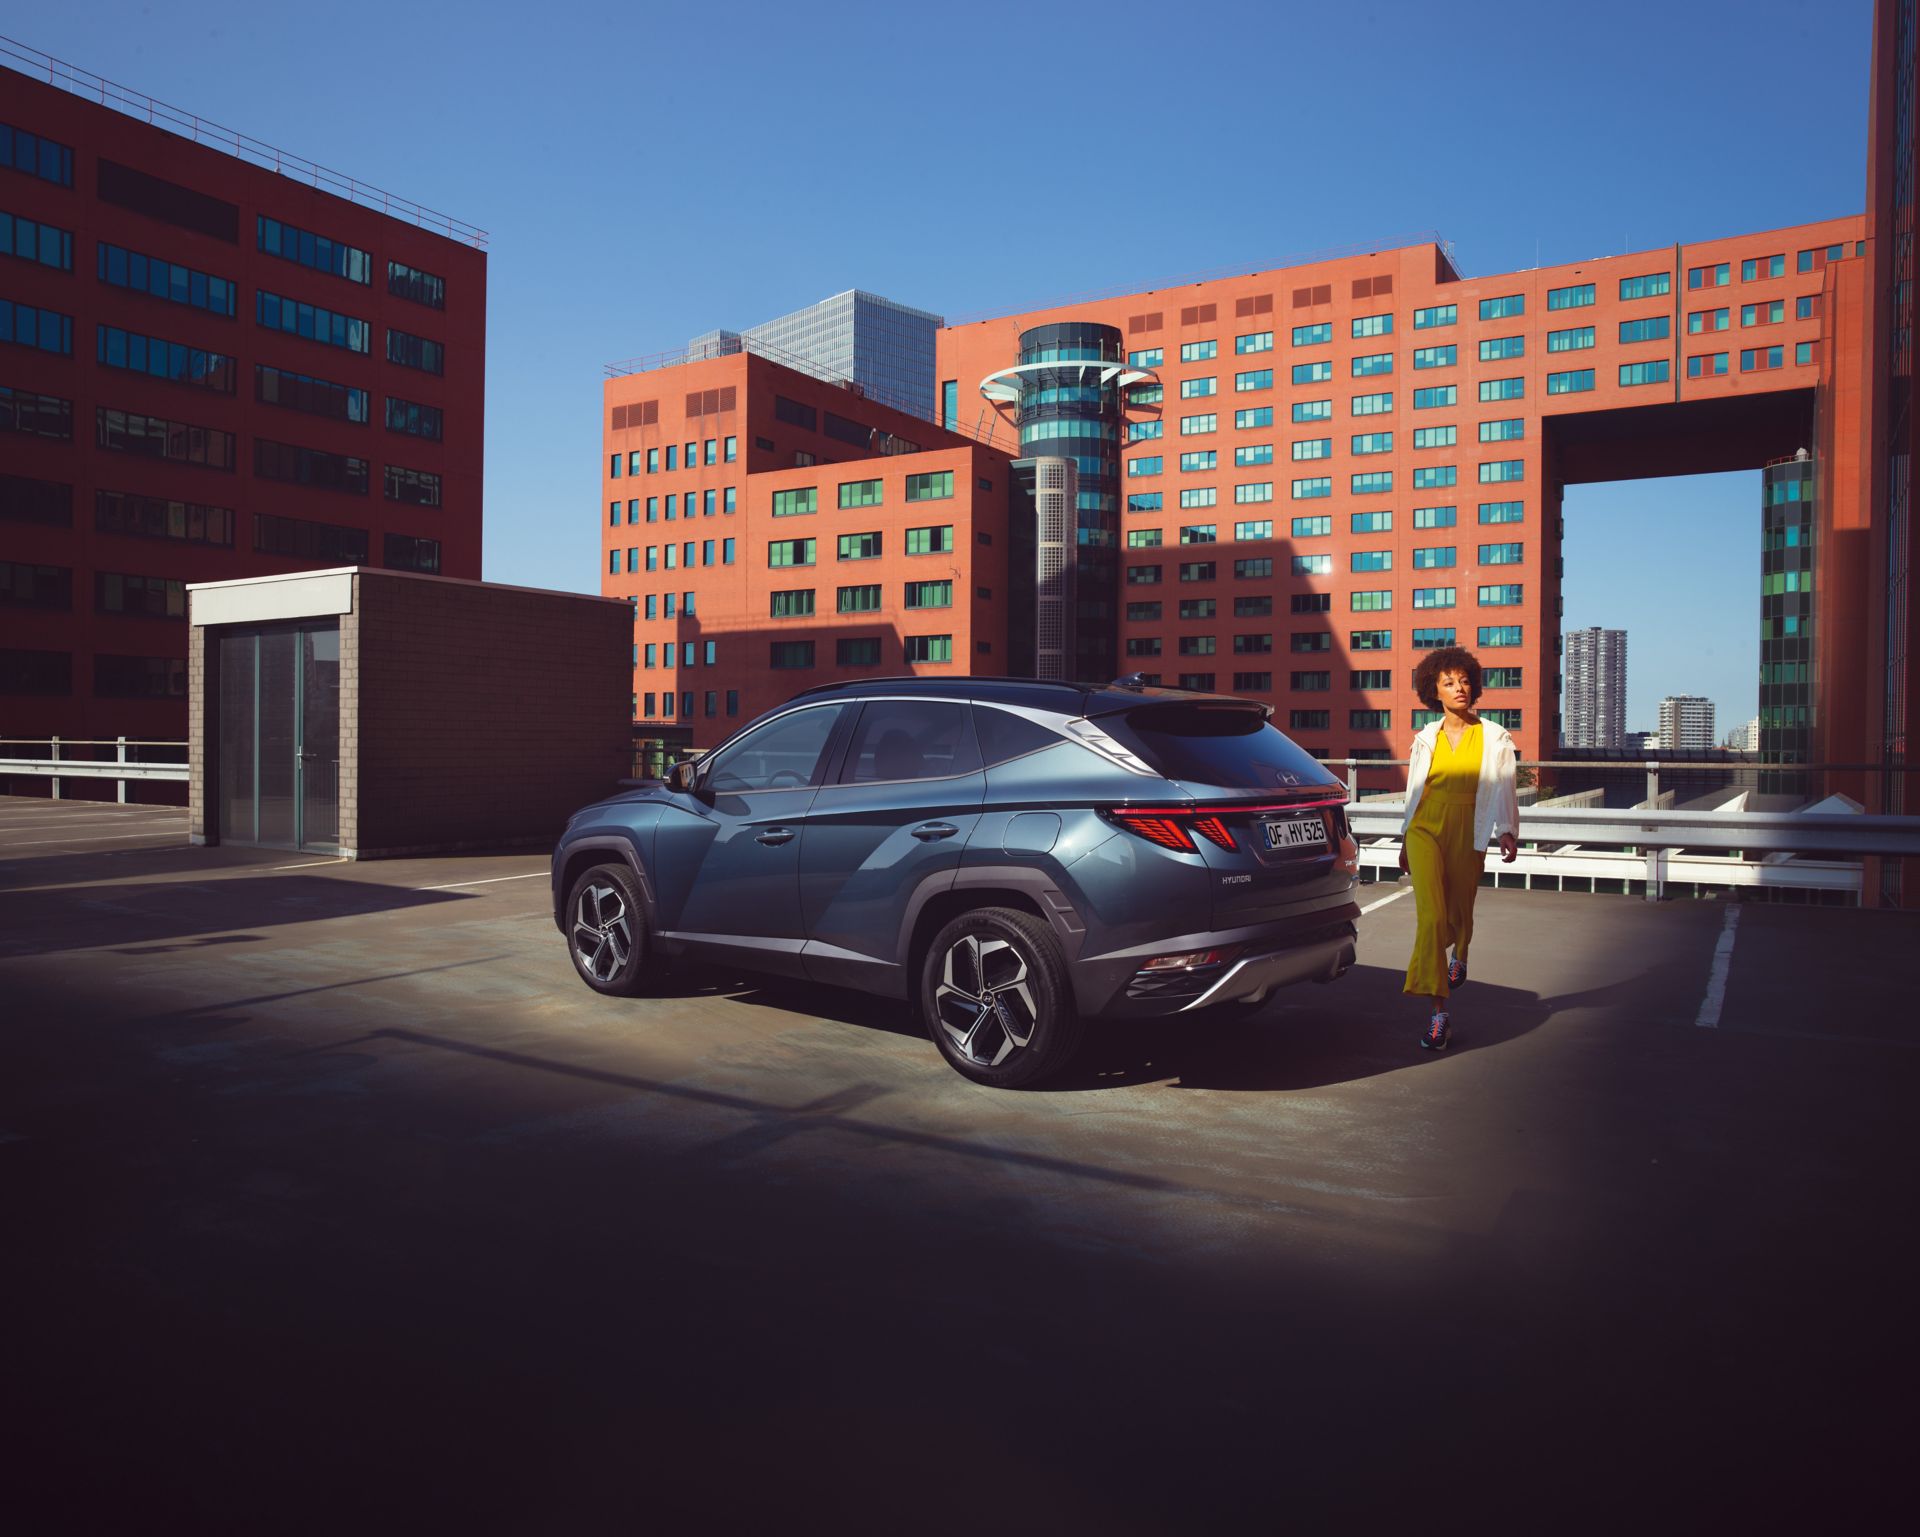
(774, 530)
(209, 369)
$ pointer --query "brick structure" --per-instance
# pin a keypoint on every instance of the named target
(470, 714)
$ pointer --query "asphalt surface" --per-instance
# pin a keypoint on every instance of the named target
(333, 1202)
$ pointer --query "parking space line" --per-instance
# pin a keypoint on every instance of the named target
(27, 843)
(311, 864)
(1710, 1006)
(1403, 891)
(490, 881)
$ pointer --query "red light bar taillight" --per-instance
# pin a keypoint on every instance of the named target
(1173, 828)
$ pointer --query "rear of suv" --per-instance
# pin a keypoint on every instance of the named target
(1017, 859)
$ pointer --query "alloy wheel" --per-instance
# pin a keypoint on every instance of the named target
(984, 1001)
(602, 933)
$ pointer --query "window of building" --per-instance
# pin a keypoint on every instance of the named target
(1434, 517)
(1312, 528)
(1433, 597)
(1649, 285)
(793, 603)
(1253, 568)
(1254, 379)
(1312, 373)
(1136, 431)
(1370, 560)
(1310, 682)
(1501, 635)
(1507, 307)
(1502, 512)
(1501, 595)
(1308, 720)
(1199, 533)
(1147, 357)
(1313, 565)
(1436, 357)
(1257, 341)
(1193, 389)
(1575, 296)
(796, 502)
(1497, 349)
(27, 325)
(1654, 372)
(1371, 405)
(1759, 359)
(410, 351)
(1312, 486)
(853, 493)
(1194, 426)
(1756, 267)
(1197, 571)
(1436, 316)
(1504, 389)
(929, 594)
(416, 488)
(930, 541)
(1372, 363)
(1198, 352)
(1436, 396)
(788, 552)
(1143, 576)
(1313, 335)
(1143, 613)
(1248, 492)
(1574, 339)
(1258, 416)
(784, 655)
(935, 486)
(1143, 501)
(929, 648)
(1371, 443)
(1143, 466)
(1199, 459)
(310, 250)
(1370, 640)
(1704, 365)
(1709, 277)
(1433, 557)
(1304, 411)
(1198, 645)
(1252, 454)
(28, 240)
(1572, 382)
(1372, 325)
(1304, 642)
(1312, 448)
(1198, 608)
(1434, 477)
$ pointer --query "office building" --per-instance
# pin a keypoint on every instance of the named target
(208, 370)
(881, 347)
(1686, 723)
(1594, 698)
(773, 530)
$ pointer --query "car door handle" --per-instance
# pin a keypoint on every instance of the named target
(775, 835)
(934, 830)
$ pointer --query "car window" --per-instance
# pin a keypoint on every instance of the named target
(784, 754)
(910, 739)
(1004, 735)
(1215, 743)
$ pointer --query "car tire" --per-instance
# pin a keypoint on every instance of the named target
(607, 931)
(995, 998)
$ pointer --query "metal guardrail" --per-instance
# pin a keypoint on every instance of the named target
(120, 767)
(1660, 848)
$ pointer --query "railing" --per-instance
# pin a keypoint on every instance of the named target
(136, 104)
(119, 768)
(1650, 848)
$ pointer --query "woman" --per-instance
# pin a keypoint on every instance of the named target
(1460, 796)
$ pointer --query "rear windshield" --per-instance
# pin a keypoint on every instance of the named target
(1229, 745)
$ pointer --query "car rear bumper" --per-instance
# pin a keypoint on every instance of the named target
(1258, 961)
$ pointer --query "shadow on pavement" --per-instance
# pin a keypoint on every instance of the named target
(137, 915)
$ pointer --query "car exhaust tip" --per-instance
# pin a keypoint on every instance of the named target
(1343, 963)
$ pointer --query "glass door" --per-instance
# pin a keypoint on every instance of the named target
(279, 738)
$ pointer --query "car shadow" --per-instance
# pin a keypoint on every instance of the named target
(793, 995)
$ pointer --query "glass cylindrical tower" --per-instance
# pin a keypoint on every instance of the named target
(1070, 408)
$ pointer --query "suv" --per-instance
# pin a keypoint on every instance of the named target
(1015, 857)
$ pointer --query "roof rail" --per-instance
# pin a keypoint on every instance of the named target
(951, 682)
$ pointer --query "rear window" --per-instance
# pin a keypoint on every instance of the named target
(1227, 745)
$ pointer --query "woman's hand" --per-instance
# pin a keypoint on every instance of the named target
(1509, 848)
(1403, 860)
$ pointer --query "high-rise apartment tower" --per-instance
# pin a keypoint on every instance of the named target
(1594, 694)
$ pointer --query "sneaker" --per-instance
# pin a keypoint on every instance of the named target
(1439, 1034)
(1456, 972)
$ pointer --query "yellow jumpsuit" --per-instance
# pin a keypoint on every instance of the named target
(1444, 864)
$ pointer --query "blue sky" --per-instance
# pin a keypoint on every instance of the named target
(650, 171)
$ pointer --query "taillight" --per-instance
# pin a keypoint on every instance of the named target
(1173, 829)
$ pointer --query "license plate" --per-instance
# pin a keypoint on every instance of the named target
(1307, 832)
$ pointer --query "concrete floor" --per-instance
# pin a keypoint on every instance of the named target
(334, 1202)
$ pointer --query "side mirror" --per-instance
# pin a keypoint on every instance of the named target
(681, 777)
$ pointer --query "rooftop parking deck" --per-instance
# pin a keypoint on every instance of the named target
(336, 1202)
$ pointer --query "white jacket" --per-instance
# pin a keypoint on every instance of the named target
(1496, 802)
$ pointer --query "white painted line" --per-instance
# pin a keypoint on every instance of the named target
(1403, 891)
(309, 865)
(1717, 979)
(42, 825)
(27, 843)
(491, 881)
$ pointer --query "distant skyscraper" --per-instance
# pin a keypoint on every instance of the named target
(1595, 698)
(884, 347)
(1686, 721)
